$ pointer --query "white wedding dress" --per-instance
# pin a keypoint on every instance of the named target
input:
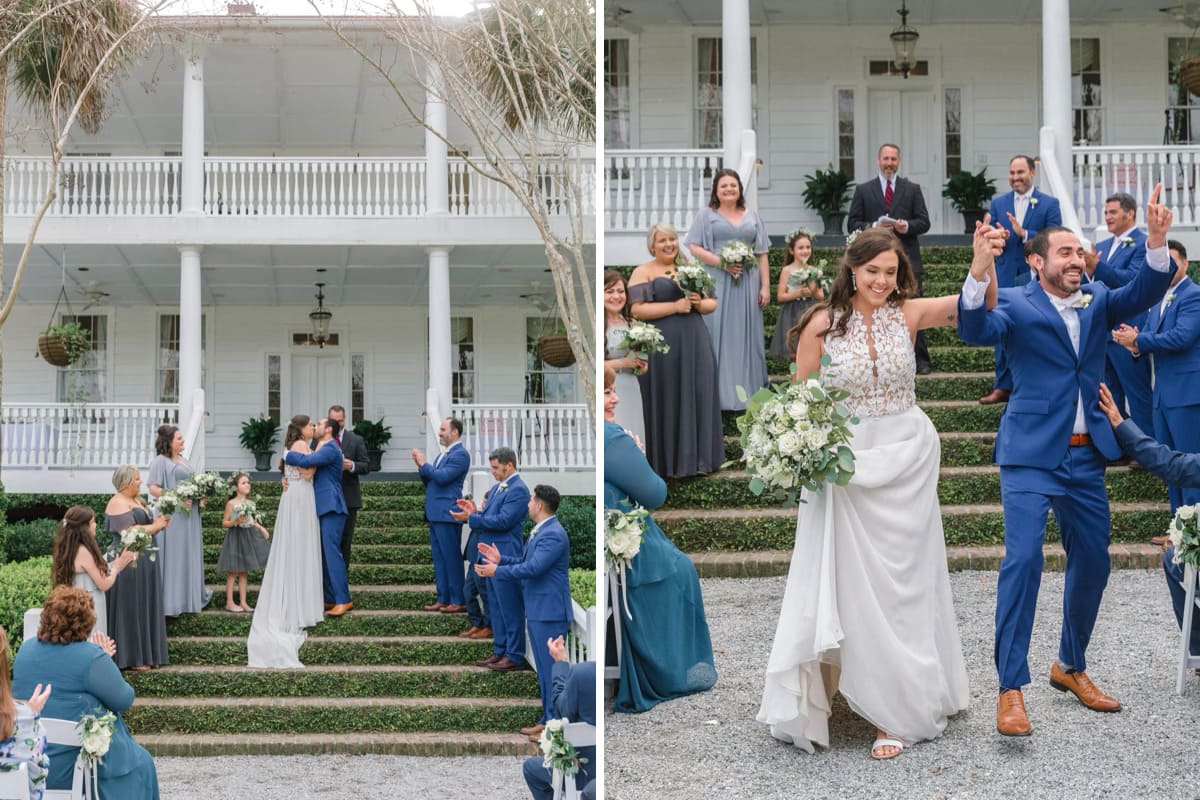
(291, 598)
(867, 608)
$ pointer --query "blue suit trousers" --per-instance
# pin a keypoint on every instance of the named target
(539, 632)
(445, 539)
(1128, 379)
(333, 573)
(507, 608)
(475, 598)
(1075, 492)
(1179, 429)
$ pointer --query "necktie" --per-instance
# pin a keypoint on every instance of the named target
(887, 196)
(1020, 207)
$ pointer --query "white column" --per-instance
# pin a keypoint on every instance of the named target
(1056, 79)
(192, 139)
(437, 167)
(189, 331)
(440, 368)
(735, 79)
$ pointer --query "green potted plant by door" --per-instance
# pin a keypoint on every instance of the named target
(826, 192)
(374, 435)
(970, 193)
(259, 435)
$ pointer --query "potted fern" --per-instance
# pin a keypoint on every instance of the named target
(826, 192)
(970, 194)
(374, 435)
(259, 435)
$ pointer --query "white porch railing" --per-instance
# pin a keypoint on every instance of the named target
(61, 435)
(94, 187)
(642, 187)
(545, 437)
(1135, 169)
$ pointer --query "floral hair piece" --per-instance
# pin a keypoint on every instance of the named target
(850, 239)
(796, 234)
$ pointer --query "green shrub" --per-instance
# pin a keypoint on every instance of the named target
(583, 586)
(577, 513)
(22, 586)
(23, 507)
(21, 541)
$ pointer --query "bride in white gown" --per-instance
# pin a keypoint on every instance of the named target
(290, 598)
(867, 608)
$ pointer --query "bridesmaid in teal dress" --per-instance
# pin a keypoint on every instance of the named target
(666, 651)
(85, 680)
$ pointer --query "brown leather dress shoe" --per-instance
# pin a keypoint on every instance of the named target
(533, 731)
(467, 633)
(492, 659)
(433, 607)
(1011, 719)
(995, 396)
(453, 608)
(482, 633)
(328, 606)
(506, 664)
(1082, 687)
(339, 609)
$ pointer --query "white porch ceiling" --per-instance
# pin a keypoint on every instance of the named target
(284, 275)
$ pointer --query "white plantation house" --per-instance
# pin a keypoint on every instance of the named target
(244, 163)
(778, 90)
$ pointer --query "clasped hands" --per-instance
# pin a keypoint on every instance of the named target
(491, 555)
(465, 509)
(1126, 335)
(987, 243)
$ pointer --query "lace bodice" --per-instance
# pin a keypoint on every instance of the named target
(294, 474)
(886, 384)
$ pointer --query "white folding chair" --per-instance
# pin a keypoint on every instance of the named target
(580, 734)
(62, 732)
(14, 784)
(33, 618)
(612, 612)
(1187, 661)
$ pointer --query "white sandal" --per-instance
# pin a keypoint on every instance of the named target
(886, 742)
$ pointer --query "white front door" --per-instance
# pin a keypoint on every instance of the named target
(910, 120)
(318, 381)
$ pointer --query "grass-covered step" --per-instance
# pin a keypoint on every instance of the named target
(944, 336)
(367, 535)
(945, 271)
(362, 622)
(954, 385)
(963, 415)
(424, 744)
(358, 573)
(330, 714)
(958, 449)
(429, 650)
(775, 528)
(962, 359)
(406, 597)
(362, 553)
(382, 680)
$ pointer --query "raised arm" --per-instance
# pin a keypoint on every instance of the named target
(987, 243)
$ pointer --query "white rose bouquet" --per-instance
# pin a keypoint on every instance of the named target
(643, 338)
(692, 277)
(167, 503)
(810, 274)
(796, 436)
(557, 752)
(248, 508)
(1184, 532)
(736, 254)
(623, 532)
(96, 733)
(136, 539)
(210, 485)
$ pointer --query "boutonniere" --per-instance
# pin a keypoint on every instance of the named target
(1170, 297)
(1032, 201)
(504, 486)
(1126, 241)
(1085, 300)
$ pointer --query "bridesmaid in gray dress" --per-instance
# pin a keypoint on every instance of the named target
(181, 547)
(616, 323)
(135, 603)
(736, 327)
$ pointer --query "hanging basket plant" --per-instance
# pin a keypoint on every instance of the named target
(1189, 75)
(63, 345)
(555, 350)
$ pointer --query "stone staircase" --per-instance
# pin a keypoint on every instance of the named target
(385, 678)
(731, 533)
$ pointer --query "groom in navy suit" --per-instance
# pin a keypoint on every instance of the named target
(331, 509)
(1022, 212)
(1053, 445)
(542, 573)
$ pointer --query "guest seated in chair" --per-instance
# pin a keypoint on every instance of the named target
(26, 744)
(85, 681)
(573, 695)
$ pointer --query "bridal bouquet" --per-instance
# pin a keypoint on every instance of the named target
(736, 254)
(248, 508)
(796, 436)
(693, 277)
(810, 274)
(643, 338)
(137, 539)
(1185, 535)
(557, 752)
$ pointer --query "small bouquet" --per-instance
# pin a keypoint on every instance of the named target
(96, 733)
(248, 508)
(693, 277)
(189, 490)
(643, 338)
(796, 436)
(807, 275)
(1185, 536)
(557, 752)
(168, 503)
(210, 485)
(137, 539)
(736, 254)
(623, 532)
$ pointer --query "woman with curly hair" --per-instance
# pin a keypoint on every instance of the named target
(78, 561)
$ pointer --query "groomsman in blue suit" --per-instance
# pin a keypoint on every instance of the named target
(1170, 342)
(1022, 212)
(331, 510)
(1053, 445)
(1128, 378)
(443, 479)
(499, 524)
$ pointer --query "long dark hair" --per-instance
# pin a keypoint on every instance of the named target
(162, 442)
(713, 202)
(73, 533)
(295, 432)
(8, 712)
(867, 245)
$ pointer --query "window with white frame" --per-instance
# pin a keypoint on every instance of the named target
(274, 386)
(358, 388)
(462, 359)
(87, 379)
(1183, 107)
(618, 104)
(845, 131)
(545, 383)
(709, 98)
(952, 122)
(1086, 101)
(168, 357)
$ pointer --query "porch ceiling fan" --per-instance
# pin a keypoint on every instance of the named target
(93, 293)
(539, 297)
(618, 17)
(1188, 13)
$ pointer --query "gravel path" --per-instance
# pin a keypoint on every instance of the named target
(710, 745)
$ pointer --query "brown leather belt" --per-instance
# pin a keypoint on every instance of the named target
(1080, 439)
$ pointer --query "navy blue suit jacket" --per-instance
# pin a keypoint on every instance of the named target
(503, 517)
(542, 570)
(327, 482)
(1125, 262)
(1173, 337)
(443, 483)
(1044, 213)
(1175, 468)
